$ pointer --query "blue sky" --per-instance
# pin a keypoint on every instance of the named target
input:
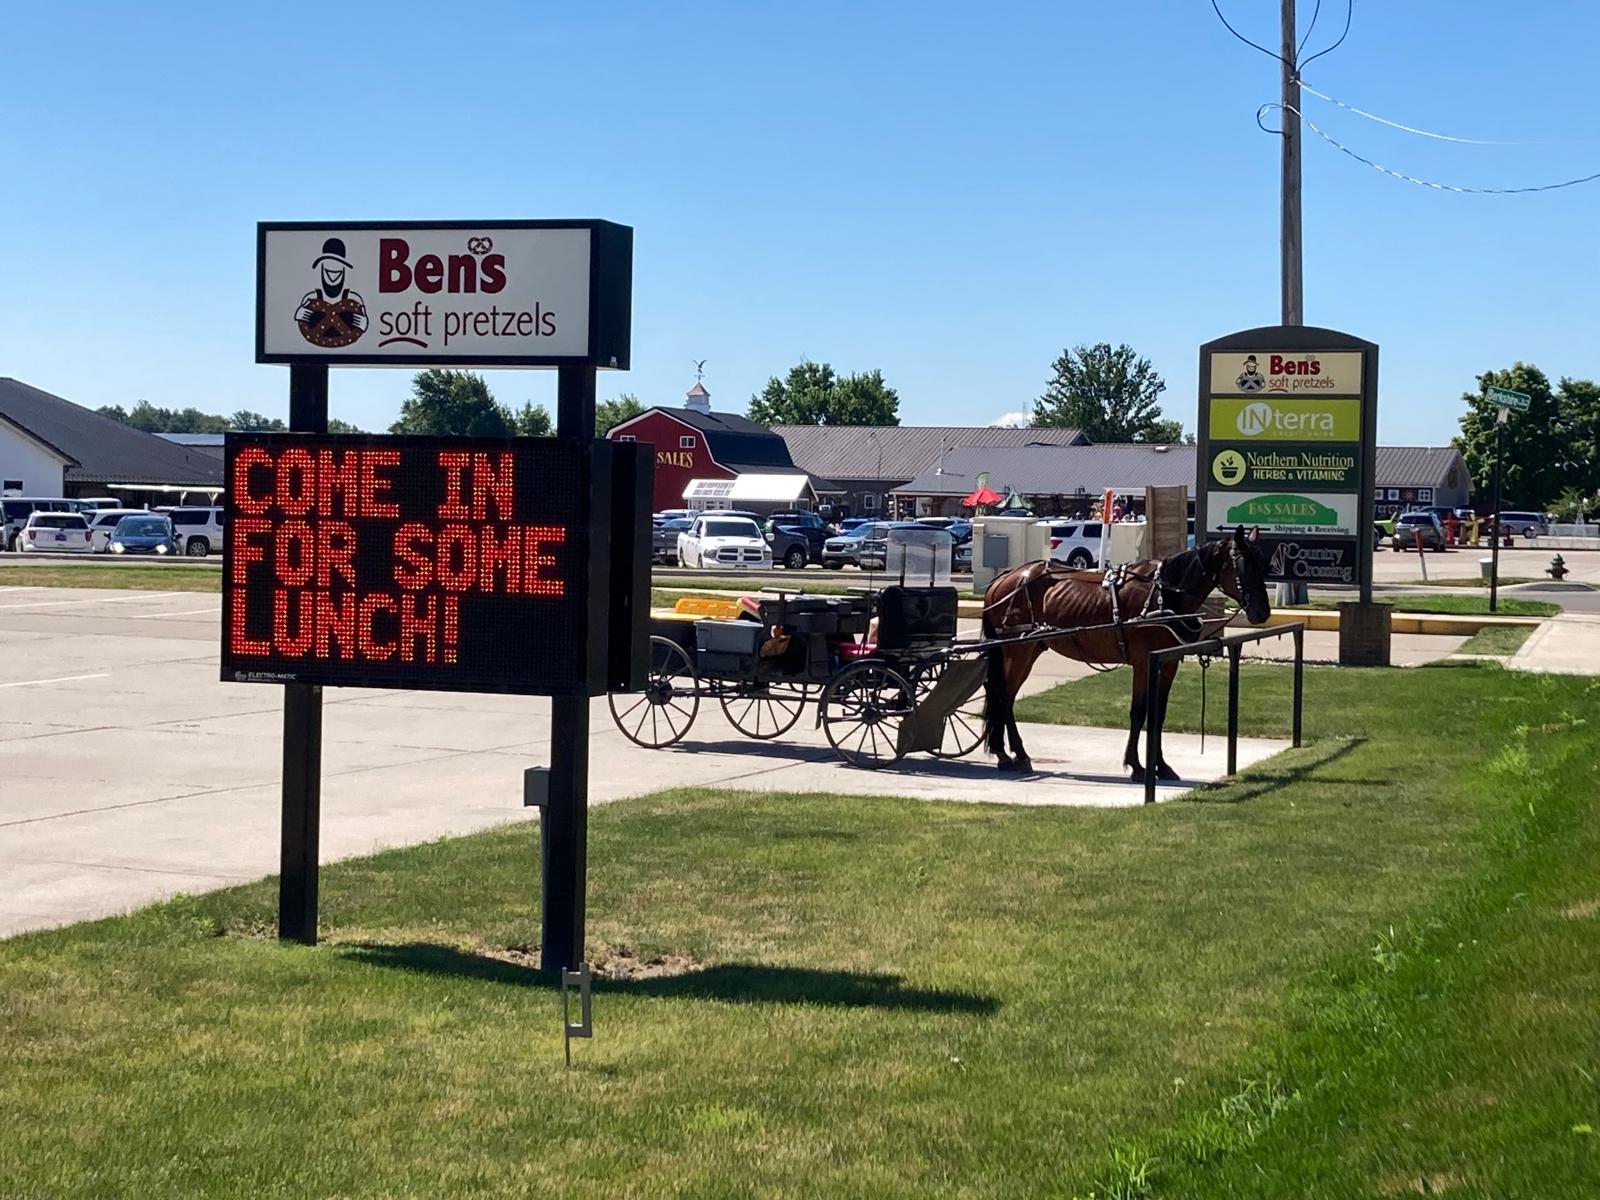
(949, 192)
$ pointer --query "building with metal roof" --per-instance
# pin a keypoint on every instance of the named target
(856, 466)
(90, 452)
(1058, 479)
(1055, 479)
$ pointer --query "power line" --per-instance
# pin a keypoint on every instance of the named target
(1427, 183)
(1427, 133)
(1310, 29)
(1349, 11)
(1247, 41)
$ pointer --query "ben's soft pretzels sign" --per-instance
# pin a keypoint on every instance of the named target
(515, 293)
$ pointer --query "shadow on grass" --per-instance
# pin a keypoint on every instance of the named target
(732, 983)
(1264, 779)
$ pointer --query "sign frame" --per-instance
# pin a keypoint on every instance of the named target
(610, 297)
(1301, 340)
(613, 633)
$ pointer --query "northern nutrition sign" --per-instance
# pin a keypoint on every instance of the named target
(517, 293)
(415, 562)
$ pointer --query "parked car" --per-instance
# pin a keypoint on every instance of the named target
(673, 514)
(102, 521)
(961, 555)
(664, 538)
(199, 530)
(845, 549)
(144, 533)
(1076, 543)
(56, 533)
(1411, 526)
(874, 552)
(716, 540)
(1528, 524)
(852, 523)
(15, 511)
(796, 538)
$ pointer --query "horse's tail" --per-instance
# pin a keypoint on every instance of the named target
(996, 704)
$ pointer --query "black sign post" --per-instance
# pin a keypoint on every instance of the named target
(302, 726)
(565, 839)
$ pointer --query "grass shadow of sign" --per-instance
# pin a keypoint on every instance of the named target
(1264, 778)
(731, 983)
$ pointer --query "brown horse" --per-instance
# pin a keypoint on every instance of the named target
(1043, 594)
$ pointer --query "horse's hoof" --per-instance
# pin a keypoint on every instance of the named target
(1024, 763)
(1004, 764)
(1167, 773)
(1136, 775)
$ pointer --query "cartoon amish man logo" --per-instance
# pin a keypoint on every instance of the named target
(1251, 380)
(331, 315)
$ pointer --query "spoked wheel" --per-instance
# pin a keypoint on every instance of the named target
(963, 729)
(664, 711)
(759, 712)
(861, 713)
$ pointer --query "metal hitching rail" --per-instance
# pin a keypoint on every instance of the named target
(1231, 645)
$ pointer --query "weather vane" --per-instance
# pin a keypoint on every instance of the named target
(699, 368)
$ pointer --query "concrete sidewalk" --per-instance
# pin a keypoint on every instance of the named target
(1564, 645)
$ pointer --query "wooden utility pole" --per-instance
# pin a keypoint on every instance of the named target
(1289, 235)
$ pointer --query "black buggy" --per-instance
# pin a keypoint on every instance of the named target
(884, 671)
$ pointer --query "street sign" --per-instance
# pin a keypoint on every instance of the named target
(1506, 398)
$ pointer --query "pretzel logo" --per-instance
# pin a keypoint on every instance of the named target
(479, 245)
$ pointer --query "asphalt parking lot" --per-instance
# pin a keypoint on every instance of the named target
(129, 772)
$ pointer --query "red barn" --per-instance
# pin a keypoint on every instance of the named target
(696, 443)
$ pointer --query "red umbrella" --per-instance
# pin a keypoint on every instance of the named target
(984, 495)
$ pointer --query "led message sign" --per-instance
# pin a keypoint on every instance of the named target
(456, 564)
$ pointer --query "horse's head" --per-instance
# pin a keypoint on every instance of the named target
(1244, 575)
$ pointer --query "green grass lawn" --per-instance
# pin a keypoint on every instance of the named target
(1363, 963)
(1473, 606)
(1504, 640)
(165, 577)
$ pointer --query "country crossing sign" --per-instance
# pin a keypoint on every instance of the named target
(1506, 398)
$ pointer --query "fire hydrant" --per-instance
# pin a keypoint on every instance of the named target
(1557, 568)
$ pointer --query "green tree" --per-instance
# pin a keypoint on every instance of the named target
(1548, 450)
(532, 420)
(812, 394)
(335, 425)
(1109, 393)
(246, 421)
(608, 414)
(452, 402)
(152, 419)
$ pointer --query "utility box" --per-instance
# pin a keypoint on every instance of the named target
(1003, 543)
(1126, 542)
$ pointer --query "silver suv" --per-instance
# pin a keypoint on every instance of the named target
(1417, 528)
(198, 530)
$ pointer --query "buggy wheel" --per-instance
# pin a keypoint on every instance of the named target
(963, 728)
(762, 713)
(862, 708)
(664, 711)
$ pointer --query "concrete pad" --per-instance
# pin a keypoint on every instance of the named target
(1564, 645)
(129, 771)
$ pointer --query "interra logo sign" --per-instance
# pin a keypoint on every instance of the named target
(1286, 420)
